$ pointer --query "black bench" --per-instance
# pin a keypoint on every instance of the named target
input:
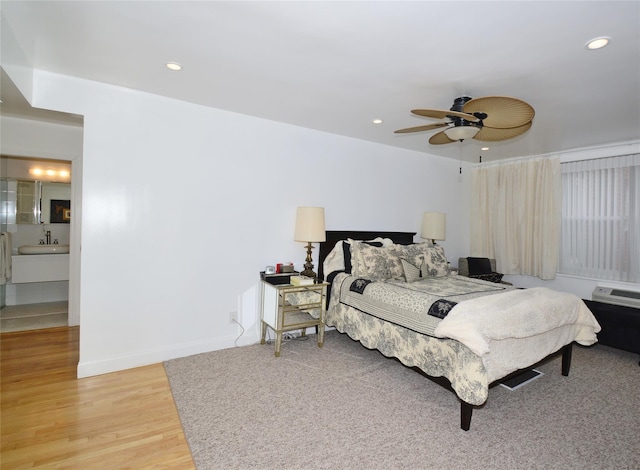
(620, 325)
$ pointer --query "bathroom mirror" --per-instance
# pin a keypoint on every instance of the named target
(36, 202)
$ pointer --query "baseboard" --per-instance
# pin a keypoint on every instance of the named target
(145, 358)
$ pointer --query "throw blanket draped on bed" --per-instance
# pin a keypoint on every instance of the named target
(525, 313)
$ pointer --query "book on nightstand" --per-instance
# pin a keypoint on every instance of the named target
(301, 281)
(277, 278)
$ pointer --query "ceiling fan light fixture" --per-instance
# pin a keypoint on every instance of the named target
(461, 132)
(487, 119)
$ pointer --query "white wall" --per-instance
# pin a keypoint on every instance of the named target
(29, 138)
(183, 205)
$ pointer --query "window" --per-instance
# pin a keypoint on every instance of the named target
(601, 218)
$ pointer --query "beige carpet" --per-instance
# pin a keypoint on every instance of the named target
(33, 316)
(346, 407)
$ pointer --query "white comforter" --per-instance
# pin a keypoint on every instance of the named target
(516, 314)
(489, 323)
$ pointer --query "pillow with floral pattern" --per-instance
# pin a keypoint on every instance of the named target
(436, 263)
(432, 260)
(373, 262)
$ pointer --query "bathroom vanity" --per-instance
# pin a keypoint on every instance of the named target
(40, 268)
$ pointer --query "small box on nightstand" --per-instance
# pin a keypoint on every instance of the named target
(279, 278)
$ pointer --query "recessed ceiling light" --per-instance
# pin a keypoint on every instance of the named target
(377, 121)
(597, 43)
(174, 66)
(484, 148)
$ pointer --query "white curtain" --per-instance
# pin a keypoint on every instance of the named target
(601, 218)
(515, 216)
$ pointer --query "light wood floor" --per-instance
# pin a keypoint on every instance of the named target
(50, 419)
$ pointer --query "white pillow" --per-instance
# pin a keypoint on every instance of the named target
(334, 260)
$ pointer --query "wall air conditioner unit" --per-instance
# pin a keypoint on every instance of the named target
(609, 295)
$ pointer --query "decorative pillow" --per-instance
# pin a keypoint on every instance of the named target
(414, 249)
(374, 262)
(412, 269)
(339, 258)
(435, 262)
(348, 256)
(492, 277)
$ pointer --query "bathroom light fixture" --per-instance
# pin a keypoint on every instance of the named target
(309, 229)
(50, 174)
(174, 66)
(377, 121)
(597, 43)
(434, 226)
(461, 132)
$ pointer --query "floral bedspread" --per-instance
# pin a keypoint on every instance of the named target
(436, 357)
(408, 303)
(406, 330)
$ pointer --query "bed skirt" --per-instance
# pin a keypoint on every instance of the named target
(435, 357)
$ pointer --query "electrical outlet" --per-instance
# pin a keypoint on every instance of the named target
(233, 317)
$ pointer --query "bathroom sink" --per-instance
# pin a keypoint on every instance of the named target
(43, 249)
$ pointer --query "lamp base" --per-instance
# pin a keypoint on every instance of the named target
(308, 265)
(309, 273)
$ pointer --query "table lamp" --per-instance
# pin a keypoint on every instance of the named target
(309, 229)
(434, 226)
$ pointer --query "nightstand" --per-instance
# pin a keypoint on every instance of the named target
(286, 307)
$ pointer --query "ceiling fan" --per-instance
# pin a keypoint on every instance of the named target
(488, 119)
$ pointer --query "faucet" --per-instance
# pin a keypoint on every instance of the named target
(48, 235)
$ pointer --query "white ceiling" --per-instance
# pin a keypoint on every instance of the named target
(335, 66)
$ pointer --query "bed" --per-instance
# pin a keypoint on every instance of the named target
(400, 298)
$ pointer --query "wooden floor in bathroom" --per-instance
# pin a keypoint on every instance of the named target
(51, 419)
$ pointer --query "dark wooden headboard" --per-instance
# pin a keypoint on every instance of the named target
(333, 236)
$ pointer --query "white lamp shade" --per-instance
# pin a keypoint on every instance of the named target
(434, 226)
(310, 224)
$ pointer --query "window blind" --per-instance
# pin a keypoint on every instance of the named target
(600, 228)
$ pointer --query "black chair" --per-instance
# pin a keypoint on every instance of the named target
(480, 268)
